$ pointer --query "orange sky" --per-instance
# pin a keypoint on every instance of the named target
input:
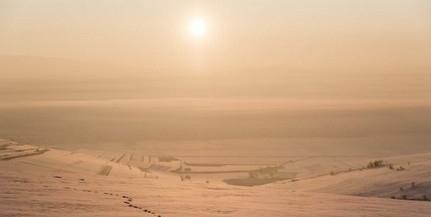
(353, 35)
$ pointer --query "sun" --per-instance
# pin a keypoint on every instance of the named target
(198, 27)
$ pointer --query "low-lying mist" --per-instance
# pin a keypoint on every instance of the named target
(56, 102)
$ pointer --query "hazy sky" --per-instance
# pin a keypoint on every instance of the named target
(262, 69)
(373, 34)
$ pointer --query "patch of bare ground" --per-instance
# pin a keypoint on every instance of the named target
(25, 154)
(105, 170)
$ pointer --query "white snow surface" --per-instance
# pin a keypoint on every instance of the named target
(95, 183)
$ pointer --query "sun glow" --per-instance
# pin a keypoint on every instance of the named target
(198, 27)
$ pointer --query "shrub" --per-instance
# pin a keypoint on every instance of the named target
(375, 164)
(425, 197)
(378, 163)
(404, 197)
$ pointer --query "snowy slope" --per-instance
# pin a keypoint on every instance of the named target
(68, 183)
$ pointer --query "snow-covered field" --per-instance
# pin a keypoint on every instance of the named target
(37, 181)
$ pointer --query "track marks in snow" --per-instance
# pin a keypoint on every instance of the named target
(127, 200)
